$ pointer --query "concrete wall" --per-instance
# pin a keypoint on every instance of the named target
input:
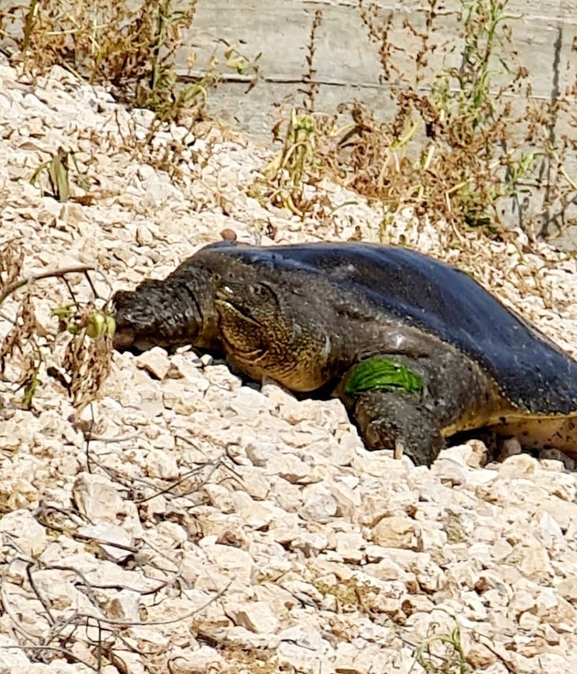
(347, 60)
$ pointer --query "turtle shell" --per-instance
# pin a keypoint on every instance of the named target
(531, 371)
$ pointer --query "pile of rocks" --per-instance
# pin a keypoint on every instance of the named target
(210, 526)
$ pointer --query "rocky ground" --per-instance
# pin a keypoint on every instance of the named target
(211, 526)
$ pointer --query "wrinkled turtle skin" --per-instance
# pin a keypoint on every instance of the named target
(307, 316)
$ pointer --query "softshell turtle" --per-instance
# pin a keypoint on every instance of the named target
(416, 349)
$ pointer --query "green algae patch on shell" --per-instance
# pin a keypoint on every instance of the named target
(383, 374)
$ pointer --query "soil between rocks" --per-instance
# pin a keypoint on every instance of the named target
(212, 526)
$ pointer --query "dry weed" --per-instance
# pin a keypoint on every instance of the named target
(11, 261)
(299, 163)
(128, 47)
(88, 354)
(297, 166)
(454, 149)
(28, 350)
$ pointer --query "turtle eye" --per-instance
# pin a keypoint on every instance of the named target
(263, 293)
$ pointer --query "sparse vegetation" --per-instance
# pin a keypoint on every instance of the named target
(295, 165)
(129, 47)
(28, 351)
(459, 142)
(58, 172)
(441, 654)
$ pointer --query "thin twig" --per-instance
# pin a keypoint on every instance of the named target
(57, 649)
(40, 598)
(121, 438)
(56, 273)
(16, 622)
(176, 483)
(171, 621)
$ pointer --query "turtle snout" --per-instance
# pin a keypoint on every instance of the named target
(124, 339)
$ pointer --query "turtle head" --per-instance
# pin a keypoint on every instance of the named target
(156, 313)
(264, 336)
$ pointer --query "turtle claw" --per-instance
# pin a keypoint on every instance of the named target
(399, 450)
(397, 420)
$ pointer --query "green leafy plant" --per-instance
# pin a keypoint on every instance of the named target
(288, 171)
(451, 661)
(381, 373)
(57, 171)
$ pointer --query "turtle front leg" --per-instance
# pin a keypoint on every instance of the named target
(415, 402)
(398, 420)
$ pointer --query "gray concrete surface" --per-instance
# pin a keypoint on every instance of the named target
(347, 65)
(347, 61)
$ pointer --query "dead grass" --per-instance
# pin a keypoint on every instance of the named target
(29, 353)
(128, 47)
(464, 138)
